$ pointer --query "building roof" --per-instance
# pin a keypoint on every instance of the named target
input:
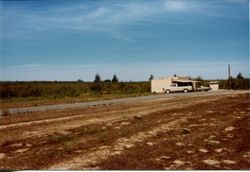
(183, 79)
(177, 79)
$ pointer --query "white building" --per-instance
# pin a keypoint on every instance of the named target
(214, 85)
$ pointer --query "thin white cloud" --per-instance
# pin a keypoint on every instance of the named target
(176, 5)
(237, 1)
(24, 66)
(108, 18)
(126, 72)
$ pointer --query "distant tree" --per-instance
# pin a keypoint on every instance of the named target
(97, 78)
(107, 80)
(151, 77)
(79, 80)
(115, 79)
(96, 87)
(239, 76)
(199, 78)
(175, 75)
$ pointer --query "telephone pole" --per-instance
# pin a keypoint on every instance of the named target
(229, 77)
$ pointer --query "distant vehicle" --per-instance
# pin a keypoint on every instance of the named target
(174, 87)
(202, 88)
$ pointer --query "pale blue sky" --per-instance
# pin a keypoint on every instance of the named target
(68, 40)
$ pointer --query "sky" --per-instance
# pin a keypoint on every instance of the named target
(71, 40)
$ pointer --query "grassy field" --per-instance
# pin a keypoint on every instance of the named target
(24, 94)
(27, 94)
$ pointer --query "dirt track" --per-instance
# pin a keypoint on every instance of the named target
(183, 132)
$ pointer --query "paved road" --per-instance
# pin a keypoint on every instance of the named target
(120, 100)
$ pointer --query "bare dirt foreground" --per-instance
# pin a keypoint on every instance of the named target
(190, 132)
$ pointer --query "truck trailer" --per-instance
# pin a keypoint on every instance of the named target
(173, 84)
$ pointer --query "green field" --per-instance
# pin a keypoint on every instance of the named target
(67, 91)
(56, 91)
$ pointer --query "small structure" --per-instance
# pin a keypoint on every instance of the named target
(158, 85)
(214, 85)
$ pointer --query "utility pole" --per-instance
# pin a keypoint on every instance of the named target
(229, 77)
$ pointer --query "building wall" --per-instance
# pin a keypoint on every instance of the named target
(214, 86)
(157, 85)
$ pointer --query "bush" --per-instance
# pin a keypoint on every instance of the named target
(236, 84)
(96, 87)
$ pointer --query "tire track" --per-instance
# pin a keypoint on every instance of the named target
(86, 161)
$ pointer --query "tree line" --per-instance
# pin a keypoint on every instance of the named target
(237, 83)
(10, 90)
(98, 79)
(233, 83)
(58, 89)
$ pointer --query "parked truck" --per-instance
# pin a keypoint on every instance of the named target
(173, 84)
(203, 88)
(174, 87)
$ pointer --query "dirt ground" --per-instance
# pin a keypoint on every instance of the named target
(189, 132)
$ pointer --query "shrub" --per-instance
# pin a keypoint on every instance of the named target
(96, 87)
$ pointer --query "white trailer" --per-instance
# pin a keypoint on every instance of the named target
(158, 85)
(172, 84)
